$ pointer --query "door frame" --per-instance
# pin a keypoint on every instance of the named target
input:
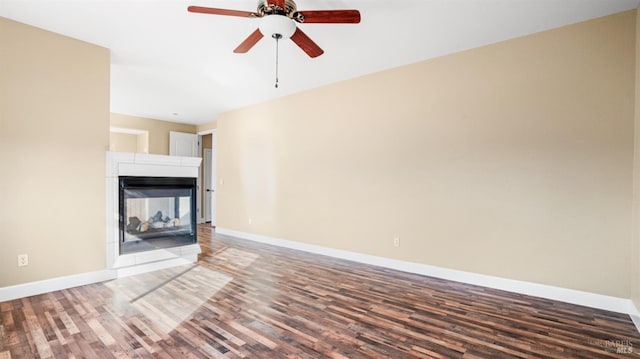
(213, 174)
(207, 198)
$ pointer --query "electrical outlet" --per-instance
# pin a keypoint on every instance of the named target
(23, 260)
(250, 220)
(396, 241)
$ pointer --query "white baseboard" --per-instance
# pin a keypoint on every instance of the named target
(593, 300)
(53, 284)
(59, 283)
(615, 304)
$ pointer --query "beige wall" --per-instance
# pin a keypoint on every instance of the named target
(123, 142)
(138, 141)
(513, 160)
(158, 130)
(54, 131)
(635, 247)
(207, 141)
(207, 126)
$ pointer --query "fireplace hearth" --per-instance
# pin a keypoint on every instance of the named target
(156, 213)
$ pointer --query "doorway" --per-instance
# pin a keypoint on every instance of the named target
(207, 184)
(208, 176)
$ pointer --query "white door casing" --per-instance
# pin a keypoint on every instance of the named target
(206, 165)
(214, 176)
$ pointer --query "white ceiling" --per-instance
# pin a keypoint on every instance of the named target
(169, 64)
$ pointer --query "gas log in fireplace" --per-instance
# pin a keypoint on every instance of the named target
(156, 212)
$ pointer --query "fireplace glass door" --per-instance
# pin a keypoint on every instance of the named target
(156, 212)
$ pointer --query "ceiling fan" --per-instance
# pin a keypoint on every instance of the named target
(279, 19)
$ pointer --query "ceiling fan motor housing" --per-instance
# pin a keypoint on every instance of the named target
(290, 9)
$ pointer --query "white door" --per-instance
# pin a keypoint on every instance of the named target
(207, 184)
(183, 144)
(214, 178)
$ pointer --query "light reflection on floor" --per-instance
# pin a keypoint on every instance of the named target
(235, 258)
(168, 297)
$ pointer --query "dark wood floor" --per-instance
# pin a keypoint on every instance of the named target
(245, 299)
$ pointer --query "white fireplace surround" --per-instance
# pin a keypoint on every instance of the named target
(140, 164)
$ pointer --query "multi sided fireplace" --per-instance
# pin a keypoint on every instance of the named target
(156, 213)
(141, 249)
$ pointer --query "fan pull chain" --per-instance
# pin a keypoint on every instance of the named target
(277, 37)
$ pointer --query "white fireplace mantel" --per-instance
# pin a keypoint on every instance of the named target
(140, 164)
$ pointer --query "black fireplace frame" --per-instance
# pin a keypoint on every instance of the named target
(145, 183)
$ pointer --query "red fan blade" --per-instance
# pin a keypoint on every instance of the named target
(330, 16)
(214, 11)
(248, 43)
(306, 44)
(278, 3)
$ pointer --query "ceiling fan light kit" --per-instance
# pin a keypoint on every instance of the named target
(277, 24)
